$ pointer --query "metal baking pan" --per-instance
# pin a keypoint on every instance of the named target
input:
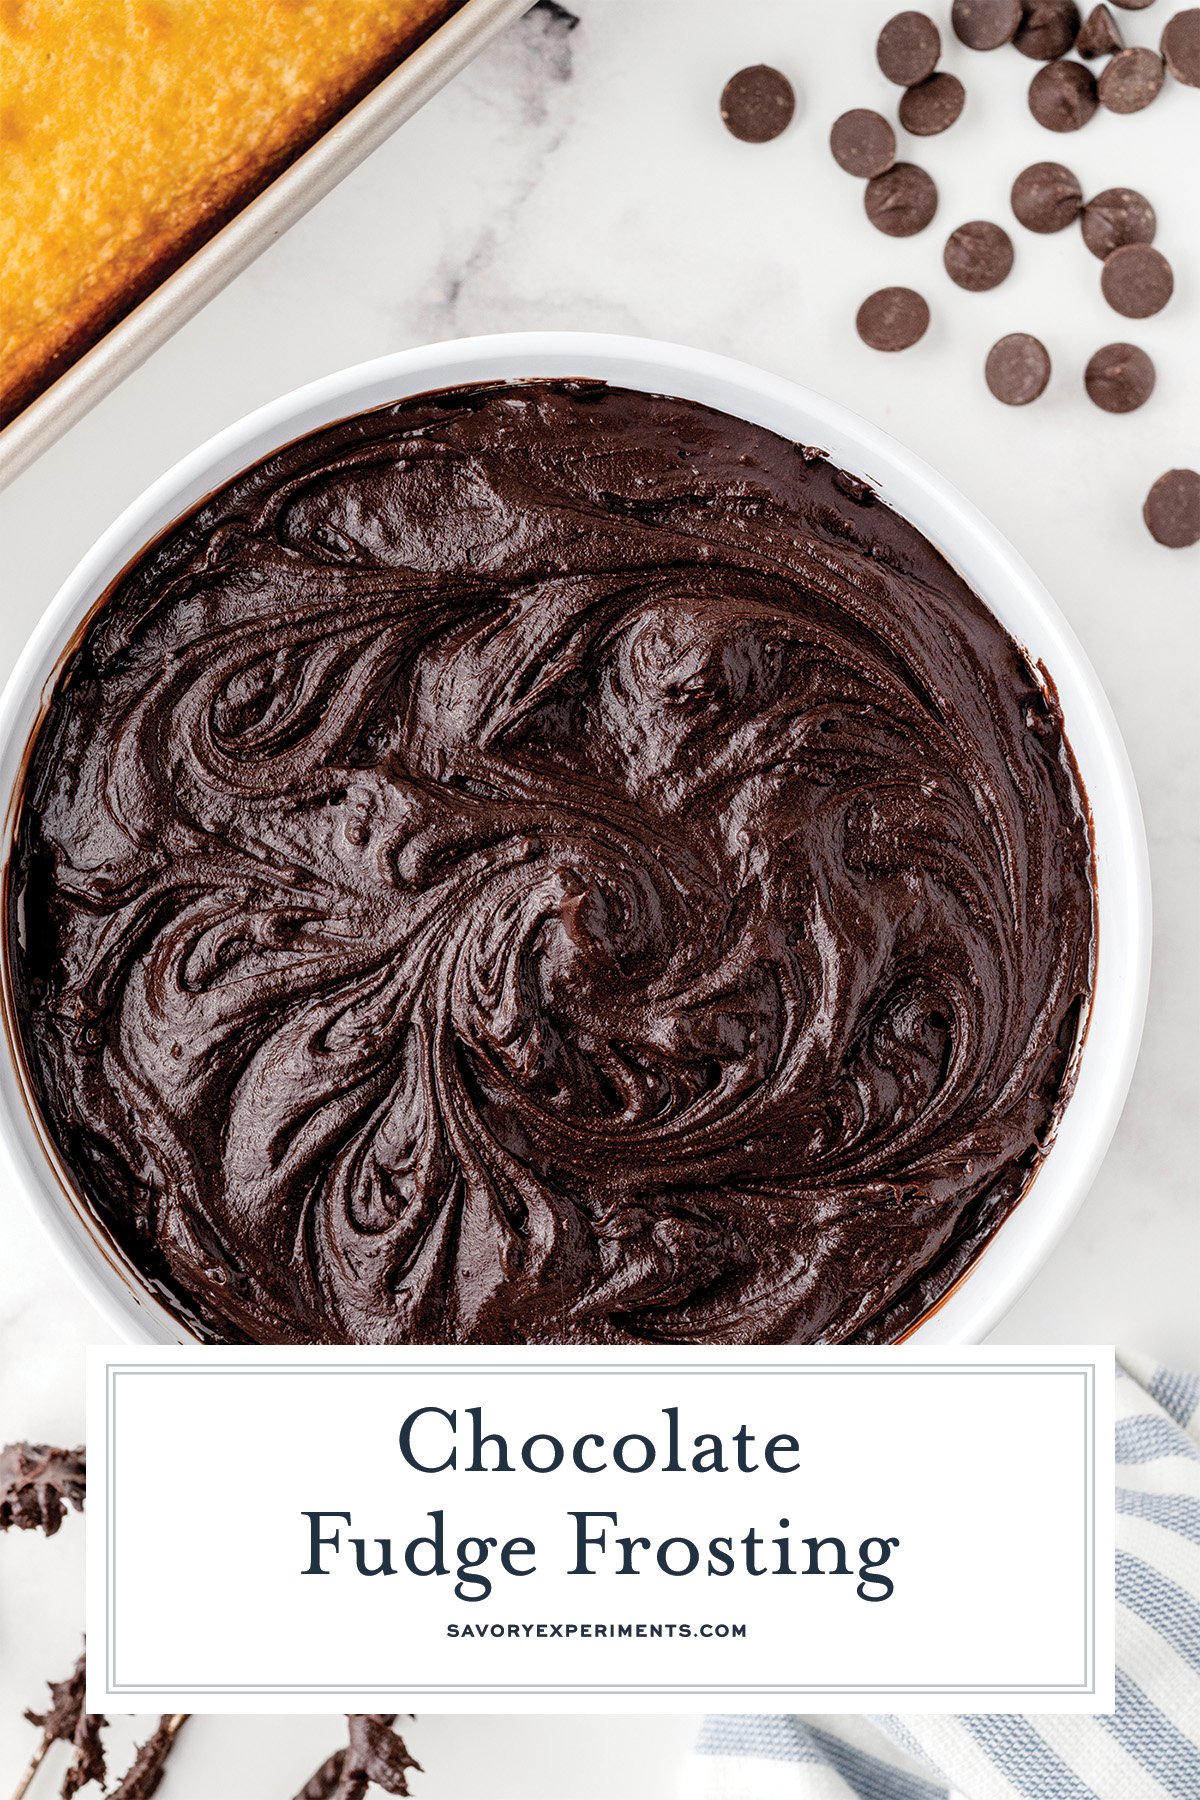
(353, 137)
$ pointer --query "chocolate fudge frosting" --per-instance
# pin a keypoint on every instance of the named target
(543, 863)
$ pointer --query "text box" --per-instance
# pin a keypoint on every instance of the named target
(536, 1530)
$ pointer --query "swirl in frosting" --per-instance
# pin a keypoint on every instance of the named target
(545, 863)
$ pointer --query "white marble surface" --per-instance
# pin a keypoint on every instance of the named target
(584, 180)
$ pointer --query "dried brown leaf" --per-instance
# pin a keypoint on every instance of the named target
(375, 1754)
(37, 1483)
(89, 1755)
(324, 1784)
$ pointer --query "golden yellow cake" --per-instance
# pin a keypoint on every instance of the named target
(131, 130)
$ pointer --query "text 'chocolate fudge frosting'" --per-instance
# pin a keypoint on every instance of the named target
(544, 863)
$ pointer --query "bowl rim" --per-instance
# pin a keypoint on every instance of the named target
(1002, 1270)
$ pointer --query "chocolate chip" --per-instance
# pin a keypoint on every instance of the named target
(1133, 5)
(1017, 369)
(1119, 378)
(863, 143)
(932, 105)
(1136, 280)
(1047, 29)
(985, 24)
(901, 201)
(1099, 35)
(1172, 509)
(1131, 80)
(1062, 96)
(978, 256)
(757, 104)
(1181, 46)
(908, 48)
(1046, 197)
(1115, 217)
(892, 319)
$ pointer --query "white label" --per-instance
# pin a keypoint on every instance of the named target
(465, 1530)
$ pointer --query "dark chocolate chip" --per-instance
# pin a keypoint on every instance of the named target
(901, 201)
(1119, 378)
(1133, 5)
(1172, 509)
(1017, 369)
(932, 105)
(892, 319)
(1115, 217)
(1181, 46)
(1099, 35)
(1062, 96)
(1046, 197)
(1136, 280)
(1048, 29)
(908, 48)
(978, 256)
(1131, 80)
(985, 24)
(863, 143)
(757, 104)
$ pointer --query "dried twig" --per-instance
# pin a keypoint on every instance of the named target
(37, 1483)
(65, 1721)
(31, 1769)
(146, 1771)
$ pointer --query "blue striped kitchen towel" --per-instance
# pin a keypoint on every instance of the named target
(1148, 1749)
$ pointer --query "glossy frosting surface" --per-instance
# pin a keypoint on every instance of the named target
(549, 864)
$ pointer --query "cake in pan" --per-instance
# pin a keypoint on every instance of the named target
(131, 130)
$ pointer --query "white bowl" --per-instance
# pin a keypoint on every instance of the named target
(978, 551)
